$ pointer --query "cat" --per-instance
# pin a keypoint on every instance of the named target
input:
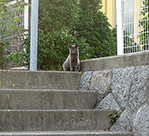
(72, 63)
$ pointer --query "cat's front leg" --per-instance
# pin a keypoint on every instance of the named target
(71, 69)
(76, 68)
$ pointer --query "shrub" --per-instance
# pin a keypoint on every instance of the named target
(10, 29)
(52, 50)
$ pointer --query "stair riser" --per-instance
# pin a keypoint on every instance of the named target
(47, 100)
(39, 80)
(54, 120)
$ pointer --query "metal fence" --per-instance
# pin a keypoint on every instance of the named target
(133, 26)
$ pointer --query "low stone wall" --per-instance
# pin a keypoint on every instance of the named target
(125, 90)
(114, 62)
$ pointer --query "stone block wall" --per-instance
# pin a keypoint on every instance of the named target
(125, 90)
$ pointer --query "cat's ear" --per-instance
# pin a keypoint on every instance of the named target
(69, 46)
(76, 45)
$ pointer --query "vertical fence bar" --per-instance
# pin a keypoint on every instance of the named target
(26, 19)
(34, 35)
(26, 15)
(120, 44)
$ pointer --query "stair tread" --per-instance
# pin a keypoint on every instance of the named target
(47, 90)
(40, 80)
(52, 110)
(65, 132)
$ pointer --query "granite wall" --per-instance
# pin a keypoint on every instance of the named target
(125, 90)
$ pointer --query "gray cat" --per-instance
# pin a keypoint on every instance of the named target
(72, 63)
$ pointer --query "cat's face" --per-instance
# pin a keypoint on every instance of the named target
(73, 49)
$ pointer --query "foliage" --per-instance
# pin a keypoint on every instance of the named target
(4, 48)
(10, 24)
(114, 117)
(55, 15)
(3, 33)
(52, 50)
(9, 27)
(94, 26)
(144, 23)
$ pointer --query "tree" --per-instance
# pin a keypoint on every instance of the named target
(55, 15)
(94, 26)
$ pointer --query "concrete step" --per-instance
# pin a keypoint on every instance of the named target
(54, 120)
(47, 99)
(68, 133)
(39, 80)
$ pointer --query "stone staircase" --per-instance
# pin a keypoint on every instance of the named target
(50, 104)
